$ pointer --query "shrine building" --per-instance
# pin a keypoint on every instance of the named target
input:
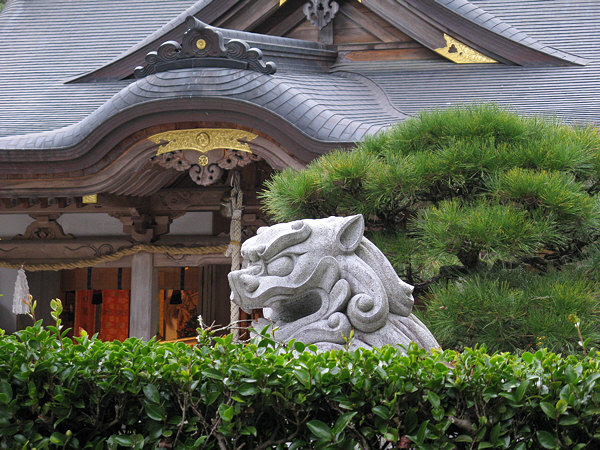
(136, 134)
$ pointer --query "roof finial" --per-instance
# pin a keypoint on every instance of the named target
(320, 12)
(204, 46)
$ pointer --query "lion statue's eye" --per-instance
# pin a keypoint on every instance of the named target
(281, 266)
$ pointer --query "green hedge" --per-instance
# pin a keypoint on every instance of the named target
(55, 392)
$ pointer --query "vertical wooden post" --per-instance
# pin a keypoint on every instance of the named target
(8, 321)
(143, 309)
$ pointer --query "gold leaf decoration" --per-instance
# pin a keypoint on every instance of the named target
(91, 198)
(203, 140)
(462, 54)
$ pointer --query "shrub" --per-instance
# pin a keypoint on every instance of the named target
(465, 192)
(84, 393)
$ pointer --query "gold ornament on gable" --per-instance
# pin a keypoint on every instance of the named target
(462, 54)
(203, 140)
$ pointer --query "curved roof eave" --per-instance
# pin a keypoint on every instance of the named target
(427, 21)
(328, 111)
(488, 21)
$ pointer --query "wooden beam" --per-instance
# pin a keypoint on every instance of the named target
(254, 15)
(408, 21)
(247, 15)
(59, 251)
(163, 202)
(287, 24)
(351, 12)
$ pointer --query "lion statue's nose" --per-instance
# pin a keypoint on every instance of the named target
(249, 282)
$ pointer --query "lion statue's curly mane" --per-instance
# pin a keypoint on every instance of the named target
(320, 279)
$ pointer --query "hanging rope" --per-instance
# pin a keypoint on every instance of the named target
(172, 250)
(235, 244)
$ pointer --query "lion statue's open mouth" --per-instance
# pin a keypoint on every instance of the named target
(321, 278)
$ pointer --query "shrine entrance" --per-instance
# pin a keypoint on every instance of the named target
(97, 300)
(185, 293)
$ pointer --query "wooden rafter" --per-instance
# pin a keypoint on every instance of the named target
(249, 14)
(289, 23)
(352, 12)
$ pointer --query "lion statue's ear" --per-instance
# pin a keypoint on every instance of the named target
(350, 232)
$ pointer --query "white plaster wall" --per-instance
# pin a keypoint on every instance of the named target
(8, 320)
(90, 224)
(192, 223)
(12, 224)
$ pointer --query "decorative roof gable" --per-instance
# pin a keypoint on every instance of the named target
(204, 46)
(440, 26)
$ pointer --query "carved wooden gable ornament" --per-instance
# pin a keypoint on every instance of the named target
(220, 150)
(204, 46)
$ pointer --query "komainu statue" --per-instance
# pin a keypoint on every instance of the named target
(320, 279)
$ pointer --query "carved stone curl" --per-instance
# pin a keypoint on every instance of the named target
(320, 12)
(204, 46)
(44, 227)
(319, 280)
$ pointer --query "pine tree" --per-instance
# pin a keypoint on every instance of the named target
(491, 215)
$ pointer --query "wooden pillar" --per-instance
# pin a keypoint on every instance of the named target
(8, 321)
(143, 310)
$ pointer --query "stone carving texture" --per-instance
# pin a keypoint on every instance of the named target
(320, 12)
(204, 46)
(320, 279)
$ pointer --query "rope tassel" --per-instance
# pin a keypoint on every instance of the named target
(21, 294)
(235, 243)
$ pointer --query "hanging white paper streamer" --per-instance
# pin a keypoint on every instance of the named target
(21, 294)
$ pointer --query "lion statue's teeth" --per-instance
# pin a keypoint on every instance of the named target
(321, 279)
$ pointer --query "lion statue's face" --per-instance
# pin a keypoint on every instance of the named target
(321, 278)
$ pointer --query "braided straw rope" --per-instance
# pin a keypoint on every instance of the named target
(149, 248)
(235, 244)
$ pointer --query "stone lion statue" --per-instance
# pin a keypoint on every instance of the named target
(320, 279)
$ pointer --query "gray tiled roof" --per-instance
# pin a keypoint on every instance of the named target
(484, 17)
(36, 68)
(572, 93)
(46, 43)
(327, 108)
(572, 26)
(79, 36)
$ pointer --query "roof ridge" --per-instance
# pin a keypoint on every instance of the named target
(160, 36)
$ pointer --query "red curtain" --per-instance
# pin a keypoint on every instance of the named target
(114, 314)
(85, 313)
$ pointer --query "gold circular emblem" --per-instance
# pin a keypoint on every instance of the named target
(203, 160)
(201, 44)
(202, 139)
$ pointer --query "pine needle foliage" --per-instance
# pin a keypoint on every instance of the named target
(469, 230)
(467, 191)
(516, 311)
